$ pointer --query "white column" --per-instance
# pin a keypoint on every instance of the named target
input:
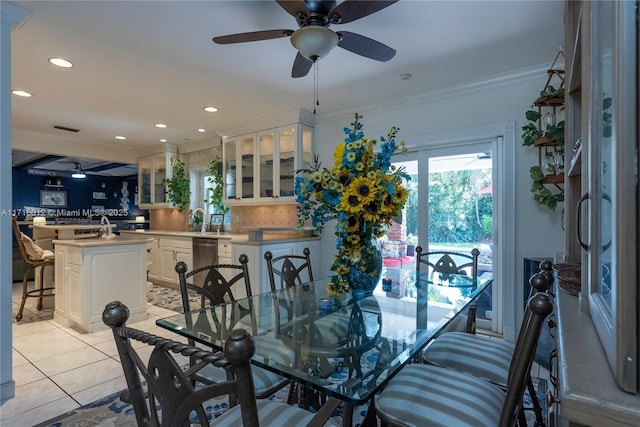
(10, 16)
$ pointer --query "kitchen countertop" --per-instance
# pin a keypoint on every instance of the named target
(234, 238)
(98, 241)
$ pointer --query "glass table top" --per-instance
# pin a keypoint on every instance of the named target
(345, 348)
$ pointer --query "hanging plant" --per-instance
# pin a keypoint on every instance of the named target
(178, 186)
(541, 194)
(215, 198)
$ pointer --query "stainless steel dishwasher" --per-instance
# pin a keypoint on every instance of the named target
(205, 252)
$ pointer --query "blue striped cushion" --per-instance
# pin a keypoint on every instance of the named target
(427, 395)
(269, 414)
(484, 357)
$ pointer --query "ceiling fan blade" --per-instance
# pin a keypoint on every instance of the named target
(301, 66)
(350, 10)
(293, 6)
(252, 36)
(365, 46)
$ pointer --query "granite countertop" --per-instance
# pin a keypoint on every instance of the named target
(234, 238)
(98, 241)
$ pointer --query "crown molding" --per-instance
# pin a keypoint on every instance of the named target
(493, 82)
(13, 15)
(282, 119)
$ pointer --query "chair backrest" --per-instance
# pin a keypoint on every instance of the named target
(539, 306)
(448, 262)
(18, 236)
(216, 287)
(288, 270)
(169, 386)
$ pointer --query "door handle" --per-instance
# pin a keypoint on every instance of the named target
(583, 199)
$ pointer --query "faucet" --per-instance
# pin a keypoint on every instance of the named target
(105, 226)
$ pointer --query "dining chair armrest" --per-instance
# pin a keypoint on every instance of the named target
(324, 413)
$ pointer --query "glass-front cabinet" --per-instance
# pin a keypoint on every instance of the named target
(152, 171)
(260, 167)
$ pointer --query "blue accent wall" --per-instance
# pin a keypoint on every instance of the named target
(26, 193)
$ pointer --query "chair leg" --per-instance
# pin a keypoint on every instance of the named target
(41, 293)
(24, 295)
(537, 409)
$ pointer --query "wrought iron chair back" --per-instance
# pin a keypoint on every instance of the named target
(169, 386)
(448, 262)
(290, 269)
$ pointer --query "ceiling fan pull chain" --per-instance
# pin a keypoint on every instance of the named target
(316, 90)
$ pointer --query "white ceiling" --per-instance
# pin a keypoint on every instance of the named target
(138, 63)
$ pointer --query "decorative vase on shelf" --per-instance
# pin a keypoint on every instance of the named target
(364, 275)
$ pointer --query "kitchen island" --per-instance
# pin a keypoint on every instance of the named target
(93, 272)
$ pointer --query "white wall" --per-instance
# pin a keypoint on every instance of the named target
(503, 99)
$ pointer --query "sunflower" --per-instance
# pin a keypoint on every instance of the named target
(338, 153)
(365, 189)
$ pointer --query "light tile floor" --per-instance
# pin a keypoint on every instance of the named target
(58, 369)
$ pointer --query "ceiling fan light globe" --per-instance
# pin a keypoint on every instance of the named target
(314, 42)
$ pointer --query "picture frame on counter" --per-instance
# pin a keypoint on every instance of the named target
(53, 198)
(216, 222)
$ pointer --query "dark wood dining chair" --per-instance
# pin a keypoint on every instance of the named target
(482, 356)
(289, 270)
(423, 395)
(170, 388)
(218, 281)
(33, 256)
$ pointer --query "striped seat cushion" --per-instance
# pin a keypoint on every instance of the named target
(264, 382)
(427, 395)
(484, 357)
(269, 414)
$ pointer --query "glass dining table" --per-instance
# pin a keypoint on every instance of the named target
(337, 346)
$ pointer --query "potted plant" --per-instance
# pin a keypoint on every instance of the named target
(215, 197)
(178, 186)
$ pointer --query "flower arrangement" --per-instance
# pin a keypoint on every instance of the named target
(363, 191)
(197, 217)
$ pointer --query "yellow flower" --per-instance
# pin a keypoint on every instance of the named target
(338, 153)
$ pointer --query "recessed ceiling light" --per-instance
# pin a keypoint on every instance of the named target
(121, 137)
(161, 125)
(61, 62)
(201, 130)
(163, 140)
(210, 109)
(21, 93)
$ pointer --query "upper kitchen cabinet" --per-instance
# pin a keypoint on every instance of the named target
(259, 167)
(152, 171)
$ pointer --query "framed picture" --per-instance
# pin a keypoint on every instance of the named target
(216, 222)
(53, 198)
(99, 195)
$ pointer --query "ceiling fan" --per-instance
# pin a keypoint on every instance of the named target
(314, 39)
(77, 172)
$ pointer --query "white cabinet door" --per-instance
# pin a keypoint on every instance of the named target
(152, 171)
(173, 250)
(154, 257)
(259, 168)
(75, 292)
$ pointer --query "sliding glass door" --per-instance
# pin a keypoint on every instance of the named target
(451, 206)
